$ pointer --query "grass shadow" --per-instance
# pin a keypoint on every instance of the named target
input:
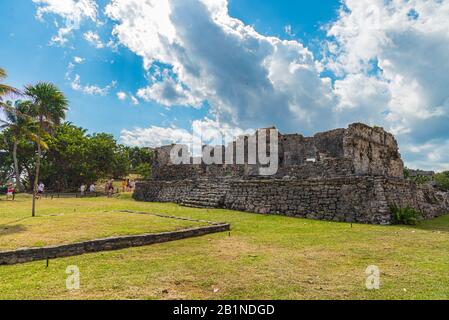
(8, 230)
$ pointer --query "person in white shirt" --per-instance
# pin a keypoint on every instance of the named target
(92, 188)
(83, 189)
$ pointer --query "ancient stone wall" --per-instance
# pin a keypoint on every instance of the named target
(114, 243)
(424, 198)
(373, 151)
(163, 191)
(361, 199)
(360, 150)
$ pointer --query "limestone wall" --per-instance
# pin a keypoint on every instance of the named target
(362, 199)
(359, 149)
(373, 151)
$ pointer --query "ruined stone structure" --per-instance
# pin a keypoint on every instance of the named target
(353, 175)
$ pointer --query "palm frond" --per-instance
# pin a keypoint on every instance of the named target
(36, 139)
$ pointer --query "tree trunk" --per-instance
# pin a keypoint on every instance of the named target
(16, 168)
(38, 167)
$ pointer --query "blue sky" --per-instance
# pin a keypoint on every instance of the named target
(30, 57)
(149, 71)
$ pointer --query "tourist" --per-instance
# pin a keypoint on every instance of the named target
(132, 185)
(83, 189)
(111, 188)
(92, 188)
(10, 192)
(40, 190)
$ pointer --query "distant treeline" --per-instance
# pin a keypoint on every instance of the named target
(72, 158)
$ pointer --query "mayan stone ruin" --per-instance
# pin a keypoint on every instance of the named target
(347, 175)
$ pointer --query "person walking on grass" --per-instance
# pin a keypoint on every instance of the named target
(83, 189)
(10, 192)
(40, 190)
(111, 188)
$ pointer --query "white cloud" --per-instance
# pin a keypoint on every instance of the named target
(91, 89)
(246, 77)
(78, 60)
(169, 93)
(155, 136)
(210, 131)
(121, 95)
(431, 155)
(94, 39)
(390, 58)
(134, 100)
(72, 12)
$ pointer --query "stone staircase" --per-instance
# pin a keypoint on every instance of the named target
(207, 194)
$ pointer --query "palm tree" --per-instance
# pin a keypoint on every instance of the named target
(20, 125)
(4, 88)
(50, 105)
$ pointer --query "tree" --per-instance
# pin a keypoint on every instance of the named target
(5, 89)
(74, 158)
(50, 106)
(108, 158)
(19, 126)
(140, 156)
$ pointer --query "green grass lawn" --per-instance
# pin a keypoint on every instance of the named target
(266, 257)
(63, 221)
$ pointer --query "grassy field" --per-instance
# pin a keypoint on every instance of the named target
(265, 257)
(63, 221)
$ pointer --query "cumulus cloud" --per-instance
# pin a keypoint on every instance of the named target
(121, 95)
(246, 77)
(155, 136)
(94, 39)
(388, 60)
(397, 51)
(78, 60)
(204, 131)
(72, 12)
(91, 89)
(169, 93)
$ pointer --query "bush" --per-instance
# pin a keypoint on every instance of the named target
(407, 216)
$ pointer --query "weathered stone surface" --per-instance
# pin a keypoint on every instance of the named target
(360, 150)
(353, 174)
(361, 199)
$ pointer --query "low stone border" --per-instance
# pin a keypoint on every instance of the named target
(108, 244)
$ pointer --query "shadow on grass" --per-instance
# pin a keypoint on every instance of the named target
(8, 229)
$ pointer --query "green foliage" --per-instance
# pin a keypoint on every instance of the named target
(138, 156)
(406, 173)
(421, 179)
(144, 170)
(34, 142)
(407, 215)
(75, 158)
(442, 180)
